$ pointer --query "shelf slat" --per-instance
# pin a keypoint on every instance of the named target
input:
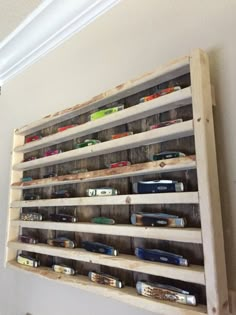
(170, 165)
(188, 235)
(161, 74)
(193, 273)
(171, 132)
(148, 199)
(156, 106)
(126, 295)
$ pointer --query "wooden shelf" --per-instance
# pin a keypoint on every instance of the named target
(147, 199)
(170, 165)
(187, 235)
(179, 130)
(158, 105)
(161, 74)
(193, 273)
(193, 136)
(126, 295)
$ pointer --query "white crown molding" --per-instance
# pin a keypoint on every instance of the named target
(48, 26)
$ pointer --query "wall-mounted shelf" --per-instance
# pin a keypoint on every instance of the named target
(201, 241)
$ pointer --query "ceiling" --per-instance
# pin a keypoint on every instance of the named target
(29, 29)
(13, 12)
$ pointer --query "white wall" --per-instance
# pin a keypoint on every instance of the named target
(134, 37)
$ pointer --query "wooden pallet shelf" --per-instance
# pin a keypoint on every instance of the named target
(188, 235)
(126, 295)
(192, 273)
(201, 241)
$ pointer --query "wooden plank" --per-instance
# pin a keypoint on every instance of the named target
(158, 105)
(163, 73)
(148, 199)
(187, 235)
(209, 195)
(13, 232)
(170, 165)
(175, 131)
(126, 295)
(194, 274)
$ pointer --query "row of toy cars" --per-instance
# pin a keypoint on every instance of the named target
(104, 112)
(155, 290)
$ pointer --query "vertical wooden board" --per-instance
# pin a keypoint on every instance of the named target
(212, 231)
(13, 232)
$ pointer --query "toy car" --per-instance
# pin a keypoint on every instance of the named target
(32, 138)
(63, 193)
(27, 260)
(87, 143)
(52, 152)
(104, 112)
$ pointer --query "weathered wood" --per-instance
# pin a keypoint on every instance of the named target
(161, 74)
(125, 295)
(209, 196)
(188, 235)
(179, 130)
(192, 273)
(170, 198)
(170, 165)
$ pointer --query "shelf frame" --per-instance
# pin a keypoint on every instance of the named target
(207, 196)
(209, 193)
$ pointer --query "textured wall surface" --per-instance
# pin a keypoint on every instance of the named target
(134, 37)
